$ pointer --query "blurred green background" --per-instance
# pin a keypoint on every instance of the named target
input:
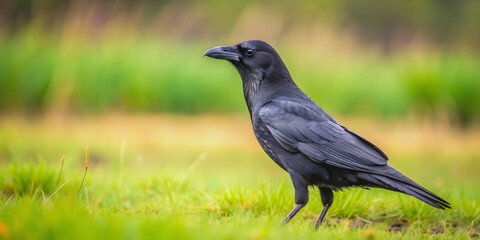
(369, 58)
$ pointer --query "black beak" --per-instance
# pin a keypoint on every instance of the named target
(224, 52)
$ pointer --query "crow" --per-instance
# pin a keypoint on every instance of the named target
(299, 136)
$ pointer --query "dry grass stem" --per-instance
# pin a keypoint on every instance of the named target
(84, 175)
(56, 190)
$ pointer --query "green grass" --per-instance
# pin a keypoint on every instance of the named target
(164, 205)
(144, 190)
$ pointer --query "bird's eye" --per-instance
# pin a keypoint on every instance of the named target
(250, 52)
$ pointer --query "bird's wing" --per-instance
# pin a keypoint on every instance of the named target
(302, 128)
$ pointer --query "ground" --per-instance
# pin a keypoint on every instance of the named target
(204, 177)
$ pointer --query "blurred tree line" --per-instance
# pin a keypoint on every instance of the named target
(381, 58)
(446, 23)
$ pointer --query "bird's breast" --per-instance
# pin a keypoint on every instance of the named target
(266, 141)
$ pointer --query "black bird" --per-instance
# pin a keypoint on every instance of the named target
(303, 139)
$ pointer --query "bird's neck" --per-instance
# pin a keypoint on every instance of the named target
(258, 87)
(250, 90)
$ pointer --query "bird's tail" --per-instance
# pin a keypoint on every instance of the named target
(398, 182)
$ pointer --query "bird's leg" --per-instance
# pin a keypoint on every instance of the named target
(301, 198)
(322, 215)
(293, 213)
(327, 199)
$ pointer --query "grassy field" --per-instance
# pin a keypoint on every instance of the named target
(204, 177)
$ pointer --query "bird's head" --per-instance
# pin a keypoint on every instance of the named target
(255, 60)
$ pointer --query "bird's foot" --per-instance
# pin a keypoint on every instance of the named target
(292, 213)
(285, 220)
